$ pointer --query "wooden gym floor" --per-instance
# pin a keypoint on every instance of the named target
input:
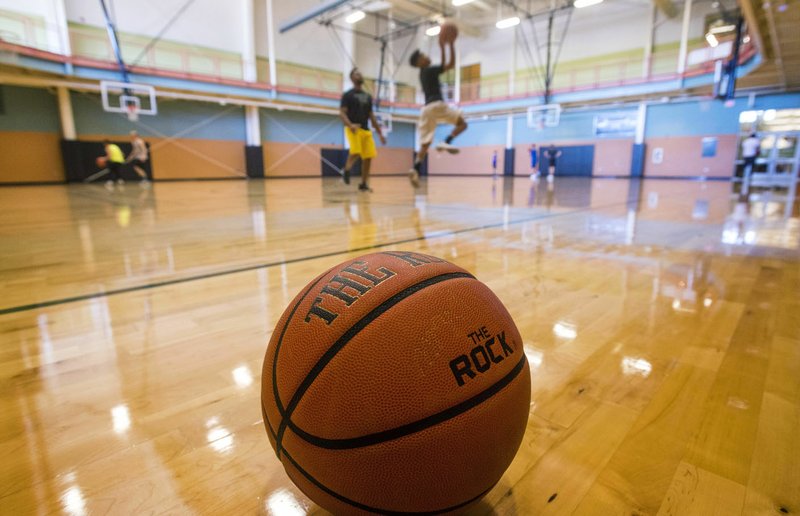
(662, 327)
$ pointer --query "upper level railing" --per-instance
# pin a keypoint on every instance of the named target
(90, 47)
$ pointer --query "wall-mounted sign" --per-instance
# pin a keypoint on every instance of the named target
(709, 146)
(658, 155)
(622, 123)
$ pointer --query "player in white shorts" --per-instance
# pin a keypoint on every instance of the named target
(436, 111)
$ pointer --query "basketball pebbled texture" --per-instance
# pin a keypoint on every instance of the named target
(448, 32)
(395, 383)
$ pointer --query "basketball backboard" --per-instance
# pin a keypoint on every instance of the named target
(128, 98)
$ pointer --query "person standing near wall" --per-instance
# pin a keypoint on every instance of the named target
(751, 147)
(356, 113)
(138, 156)
(551, 153)
(114, 160)
(534, 156)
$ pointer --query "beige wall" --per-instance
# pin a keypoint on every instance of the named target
(612, 157)
(682, 157)
(182, 158)
(292, 159)
(392, 160)
(197, 159)
(470, 161)
(30, 157)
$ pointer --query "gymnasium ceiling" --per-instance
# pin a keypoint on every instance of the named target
(776, 24)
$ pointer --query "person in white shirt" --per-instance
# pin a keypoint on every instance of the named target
(138, 156)
(751, 147)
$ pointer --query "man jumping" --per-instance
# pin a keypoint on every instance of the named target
(436, 111)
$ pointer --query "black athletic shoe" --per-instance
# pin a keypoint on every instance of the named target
(364, 188)
(346, 177)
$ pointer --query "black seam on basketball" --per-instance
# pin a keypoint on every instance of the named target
(275, 392)
(346, 337)
(266, 420)
(363, 507)
(416, 426)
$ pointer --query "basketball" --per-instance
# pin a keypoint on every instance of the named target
(395, 382)
(448, 32)
(101, 162)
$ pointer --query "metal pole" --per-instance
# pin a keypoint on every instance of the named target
(548, 77)
(380, 77)
(648, 49)
(249, 72)
(687, 18)
(65, 110)
(733, 64)
(273, 73)
(112, 36)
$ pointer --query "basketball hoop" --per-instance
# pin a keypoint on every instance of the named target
(132, 100)
(544, 115)
(132, 110)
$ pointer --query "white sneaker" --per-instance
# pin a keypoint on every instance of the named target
(110, 185)
(413, 176)
(144, 183)
(120, 181)
(444, 146)
(549, 178)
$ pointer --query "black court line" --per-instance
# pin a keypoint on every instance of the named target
(177, 281)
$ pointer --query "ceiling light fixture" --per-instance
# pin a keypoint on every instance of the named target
(355, 16)
(459, 3)
(579, 4)
(712, 40)
(433, 31)
(507, 23)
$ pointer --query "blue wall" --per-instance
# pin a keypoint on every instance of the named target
(175, 117)
(572, 126)
(479, 132)
(708, 117)
(295, 127)
(29, 109)
(402, 135)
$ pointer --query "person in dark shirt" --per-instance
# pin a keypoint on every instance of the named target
(356, 113)
(551, 153)
(436, 111)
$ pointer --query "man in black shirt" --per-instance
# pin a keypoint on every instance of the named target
(355, 112)
(551, 153)
(436, 111)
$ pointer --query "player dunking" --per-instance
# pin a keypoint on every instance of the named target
(436, 111)
(356, 113)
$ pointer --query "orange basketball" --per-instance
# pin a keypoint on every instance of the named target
(395, 382)
(448, 32)
(101, 162)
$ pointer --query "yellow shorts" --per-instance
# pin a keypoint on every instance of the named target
(361, 143)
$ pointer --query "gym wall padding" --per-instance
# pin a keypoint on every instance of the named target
(575, 161)
(79, 160)
(188, 140)
(29, 137)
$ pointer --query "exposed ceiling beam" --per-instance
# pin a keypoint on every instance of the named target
(667, 7)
